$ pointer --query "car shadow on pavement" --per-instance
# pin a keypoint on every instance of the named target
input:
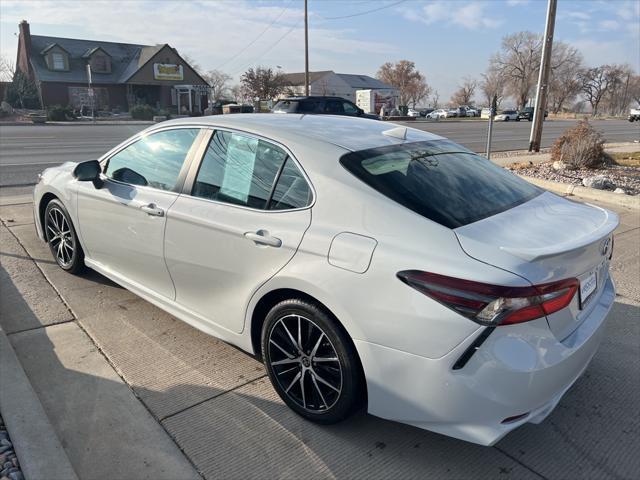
(245, 431)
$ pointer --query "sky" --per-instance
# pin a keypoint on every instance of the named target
(447, 39)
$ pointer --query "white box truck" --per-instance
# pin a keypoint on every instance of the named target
(371, 101)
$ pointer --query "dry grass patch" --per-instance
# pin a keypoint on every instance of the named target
(626, 159)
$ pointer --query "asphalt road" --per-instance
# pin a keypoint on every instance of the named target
(27, 150)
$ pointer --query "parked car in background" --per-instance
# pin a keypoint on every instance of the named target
(426, 111)
(320, 105)
(412, 112)
(507, 115)
(439, 113)
(471, 112)
(452, 112)
(634, 115)
(527, 114)
(236, 224)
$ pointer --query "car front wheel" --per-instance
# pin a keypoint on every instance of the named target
(62, 238)
(311, 362)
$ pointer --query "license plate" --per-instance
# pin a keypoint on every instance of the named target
(587, 287)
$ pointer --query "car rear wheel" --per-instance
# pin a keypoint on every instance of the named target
(311, 362)
(62, 238)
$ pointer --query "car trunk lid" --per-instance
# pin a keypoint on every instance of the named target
(546, 239)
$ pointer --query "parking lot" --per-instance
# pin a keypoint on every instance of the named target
(144, 382)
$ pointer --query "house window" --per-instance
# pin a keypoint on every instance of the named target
(100, 64)
(57, 60)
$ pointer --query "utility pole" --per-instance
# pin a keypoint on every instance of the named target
(492, 113)
(543, 79)
(306, 51)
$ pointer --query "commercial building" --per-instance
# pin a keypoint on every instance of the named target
(121, 74)
(329, 83)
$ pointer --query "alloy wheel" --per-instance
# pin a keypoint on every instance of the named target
(305, 363)
(60, 237)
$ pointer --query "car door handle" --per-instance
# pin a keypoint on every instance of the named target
(262, 237)
(152, 209)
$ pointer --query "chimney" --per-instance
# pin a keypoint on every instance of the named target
(24, 48)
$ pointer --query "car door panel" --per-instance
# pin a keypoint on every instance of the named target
(123, 237)
(216, 267)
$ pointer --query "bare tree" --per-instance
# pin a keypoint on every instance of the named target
(619, 94)
(418, 91)
(262, 83)
(192, 63)
(465, 92)
(219, 83)
(7, 69)
(594, 83)
(564, 86)
(435, 99)
(518, 62)
(404, 76)
(492, 84)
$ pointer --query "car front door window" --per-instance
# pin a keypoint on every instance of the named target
(334, 106)
(350, 108)
(155, 160)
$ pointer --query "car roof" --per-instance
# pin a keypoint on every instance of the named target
(350, 133)
(312, 97)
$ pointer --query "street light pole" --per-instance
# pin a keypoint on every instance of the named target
(306, 51)
(543, 79)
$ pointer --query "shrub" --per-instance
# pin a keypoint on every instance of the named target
(22, 92)
(142, 112)
(58, 113)
(580, 147)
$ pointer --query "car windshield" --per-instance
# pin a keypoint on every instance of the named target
(440, 180)
(288, 106)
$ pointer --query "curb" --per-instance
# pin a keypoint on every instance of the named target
(36, 444)
(629, 201)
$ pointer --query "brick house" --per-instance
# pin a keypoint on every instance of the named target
(122, 74)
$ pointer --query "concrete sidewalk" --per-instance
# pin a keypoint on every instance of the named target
(221, 411)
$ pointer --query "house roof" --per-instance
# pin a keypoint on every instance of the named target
(363, 81)
(296, 79)
(354, 81)
(124, 59)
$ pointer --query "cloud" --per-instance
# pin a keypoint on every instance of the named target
(470, 15)
(608, 25)
(515, 3)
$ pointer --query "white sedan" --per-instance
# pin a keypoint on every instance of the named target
(507, 115)
(365, 263)
(439, 113)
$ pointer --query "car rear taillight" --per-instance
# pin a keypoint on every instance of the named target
(493, 305)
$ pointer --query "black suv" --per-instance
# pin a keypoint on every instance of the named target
(320, 105)
(527, 114)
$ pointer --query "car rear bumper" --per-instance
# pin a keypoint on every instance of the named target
(519, 370)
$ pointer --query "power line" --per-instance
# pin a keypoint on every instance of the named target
(244, 49)
(365, 12)
(269, 49)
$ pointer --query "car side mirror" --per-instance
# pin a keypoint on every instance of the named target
(89, 171)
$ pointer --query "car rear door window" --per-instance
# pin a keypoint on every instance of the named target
(333, 106)
(155, 160)
(292, 189)
(440, 180)
(238, 169)
(349, 108)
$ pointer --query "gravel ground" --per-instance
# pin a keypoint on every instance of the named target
(627, 178)
(9, 465)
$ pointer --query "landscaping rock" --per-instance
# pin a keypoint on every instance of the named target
(620, 190)
(599, 182)
(559, 165)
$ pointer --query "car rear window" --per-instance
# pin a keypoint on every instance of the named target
(440, 180)
(288, 106)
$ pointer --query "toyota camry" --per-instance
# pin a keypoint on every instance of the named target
(368, 264)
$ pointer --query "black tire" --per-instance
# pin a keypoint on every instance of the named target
(506, 119)
(318, 403)
(517, 119)
(65, 247)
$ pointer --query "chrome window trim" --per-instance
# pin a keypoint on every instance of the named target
(197, 161)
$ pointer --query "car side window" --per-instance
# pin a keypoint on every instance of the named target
(238, 169)
(155, 160)
(292, 189)
(310, 106)
(333, 106)
(350, 108)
